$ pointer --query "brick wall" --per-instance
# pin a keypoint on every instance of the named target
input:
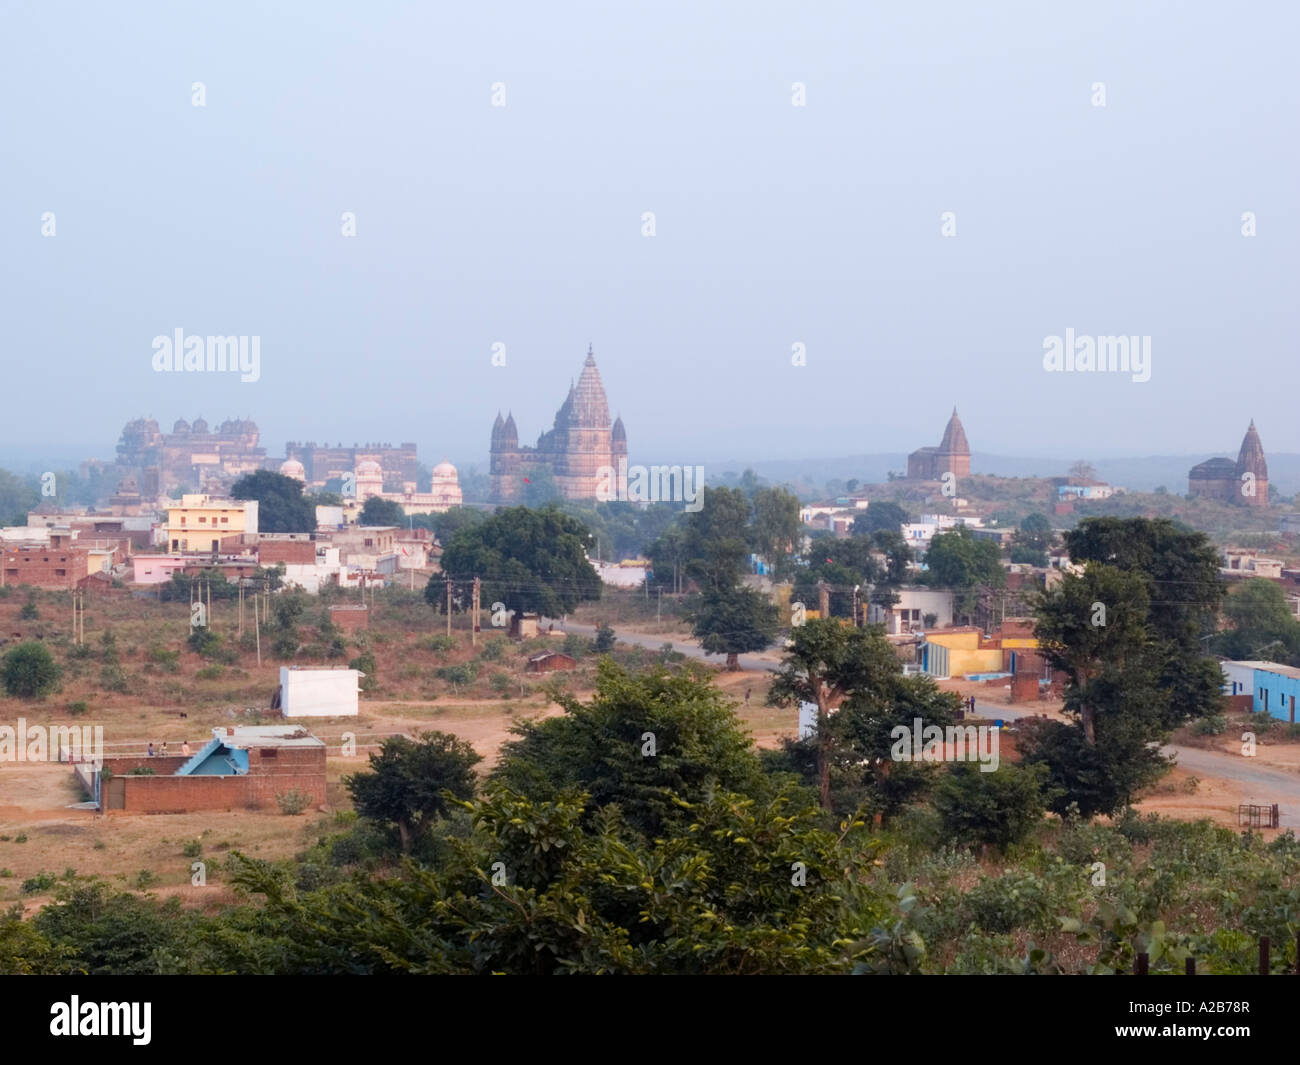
(272, 771)
(44, 567)
(350, 618)
(290, 552)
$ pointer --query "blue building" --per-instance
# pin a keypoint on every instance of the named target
(1277, 689)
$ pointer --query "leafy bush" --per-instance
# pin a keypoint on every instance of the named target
(1214, 725)
(192, 849)
(39, 882)
(604, 642)
(458, 676)
(29, 670)
(493, 650)
(365, 662)
(293, 802)
(141, 771)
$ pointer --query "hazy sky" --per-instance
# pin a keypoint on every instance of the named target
(775, 224)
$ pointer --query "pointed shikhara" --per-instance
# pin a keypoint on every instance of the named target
(951, 456)
(1242, 483)
(572, 452)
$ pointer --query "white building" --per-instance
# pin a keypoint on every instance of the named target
(908, 614)
(319, 692)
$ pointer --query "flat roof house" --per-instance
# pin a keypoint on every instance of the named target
(241, 767)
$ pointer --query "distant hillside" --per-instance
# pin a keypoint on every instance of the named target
(1141, 474)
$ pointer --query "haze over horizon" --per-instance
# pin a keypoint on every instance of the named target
(775, 224)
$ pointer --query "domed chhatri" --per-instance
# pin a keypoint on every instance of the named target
(293, 468)
(572, 452)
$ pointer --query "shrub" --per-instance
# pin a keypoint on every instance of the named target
(458, 676)
(213, 672)
(29, 611)
(145, 878)
(365, 662)
(493, 650)
(576, 646)
(500, 683)
(39, 882)
(440, 644)
(139, 771)
(78, 708)
(604, 638)
(192, 849)
(1214, 725)
(113, 678)
(293, 802)
(998, 808)
(203, 641)
(29, 670)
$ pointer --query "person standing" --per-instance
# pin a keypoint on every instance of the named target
(151, 748)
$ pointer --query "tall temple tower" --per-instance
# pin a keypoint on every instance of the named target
(573, 451)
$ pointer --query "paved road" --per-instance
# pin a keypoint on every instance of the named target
(1263, 783)
(1267, 783)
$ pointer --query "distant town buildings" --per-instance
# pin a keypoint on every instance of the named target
(571, 453)
(1243, 483)
(444, 491)
(200, 522)
(321, 463)
(951, 456)
(194, 456)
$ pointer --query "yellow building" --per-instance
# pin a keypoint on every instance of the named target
(201, 522)
(955, 654)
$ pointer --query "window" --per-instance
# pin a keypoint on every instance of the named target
(202, 519)
(60, 573)
(269, 752)
(225, 521)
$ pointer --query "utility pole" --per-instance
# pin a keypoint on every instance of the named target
(823, 599)
(257, 630)
(448, 606)
(473, 637)
(659, 606)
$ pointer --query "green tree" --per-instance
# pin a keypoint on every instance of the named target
(1260, 618)
(716, 545)
(774, 533)
(881, 516)
(380, 511)
(407, 780)
(824, 664)
(645, 742)
(1185, 590)
(958, 561)
(997, 808)
(281, 505)
(734, 621)
(29, 670)
(531, 560)
(583, 895)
